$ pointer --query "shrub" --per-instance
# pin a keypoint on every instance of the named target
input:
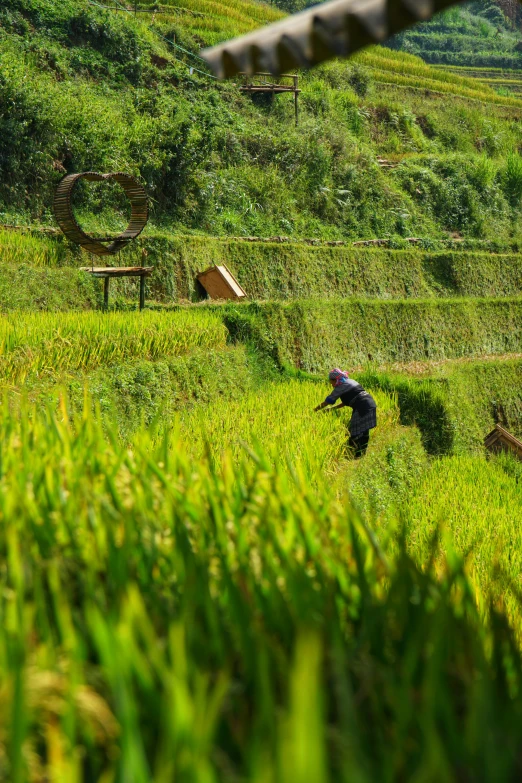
(360, 80)
(513, 178)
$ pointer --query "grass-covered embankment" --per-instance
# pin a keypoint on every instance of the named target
(42, 271)
(314, 335)
(456, 404)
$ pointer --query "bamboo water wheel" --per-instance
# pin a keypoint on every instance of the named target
(64, 213)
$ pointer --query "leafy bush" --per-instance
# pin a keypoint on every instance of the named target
(513, 178)
(360, 80)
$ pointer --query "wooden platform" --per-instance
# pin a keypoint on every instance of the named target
(257, 84)
(277, 89)
(118, 271)
(500, 440)
(106, 272)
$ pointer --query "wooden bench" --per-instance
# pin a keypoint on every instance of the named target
(106, 272)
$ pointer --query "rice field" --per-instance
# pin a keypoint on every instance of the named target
(226, 596)
(491, 77)
(279, 419)
(472, 508)
(208, 21)
(169, 616)
(192, 603)
(33, 345)
(402, 69)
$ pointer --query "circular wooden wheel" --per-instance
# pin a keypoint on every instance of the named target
(63, 211)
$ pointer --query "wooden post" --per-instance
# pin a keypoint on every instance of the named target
(296, 99)
(142, 292)
(106, 293)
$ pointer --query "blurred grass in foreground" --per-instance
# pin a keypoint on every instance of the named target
(165, 619)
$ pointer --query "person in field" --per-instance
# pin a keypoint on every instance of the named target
(364, 416)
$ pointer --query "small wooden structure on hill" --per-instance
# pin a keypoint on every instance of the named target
(105, 246)
(106, 272)
(220, 283)
(257, 84)
(500, 440)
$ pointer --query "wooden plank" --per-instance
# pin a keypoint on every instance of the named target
(220, 283)
(231, 280)
(277, 89)
(118, 271)
(142, 291)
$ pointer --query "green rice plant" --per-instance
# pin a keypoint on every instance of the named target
(268, 418)
(485, 172)
(17, 247)
(166, 618)
(472, 505)
(46, 343)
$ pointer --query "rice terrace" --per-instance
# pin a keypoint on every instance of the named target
(261, 391)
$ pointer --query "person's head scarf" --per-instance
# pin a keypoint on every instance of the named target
(338, 376)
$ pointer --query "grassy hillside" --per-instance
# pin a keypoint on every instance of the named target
(83, 88)
(478, 34)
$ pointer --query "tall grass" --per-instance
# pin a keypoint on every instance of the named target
(513, 177)
(472, 505)
(35, 344)
(164, 618)
(280, 420)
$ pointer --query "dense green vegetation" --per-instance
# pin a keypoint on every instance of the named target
(83, 88)
(480, 33)
(199, 583)
(157, 612)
